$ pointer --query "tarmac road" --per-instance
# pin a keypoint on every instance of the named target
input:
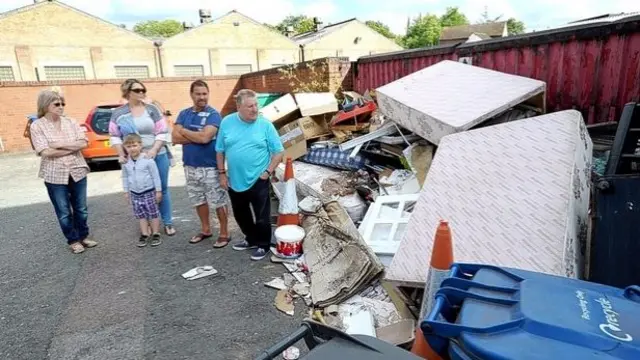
(117, 301)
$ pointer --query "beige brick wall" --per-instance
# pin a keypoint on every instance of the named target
(341, 43)
(55, 34)
(222, 43)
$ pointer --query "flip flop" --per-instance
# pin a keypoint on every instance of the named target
(222, 242)
(169, 230)
(199, 272)
(196, 239)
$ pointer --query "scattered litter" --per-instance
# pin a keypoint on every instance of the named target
(419, 157)
(301, 289)
(344, 183)
(400, 333)
(199, 272)
(291, 353)
(288, 280)
(284, 302)
(384, 313)
(357, 320)
(331, 310)
(354, 206)
(294, 270)
(310, 205)
(276, 283)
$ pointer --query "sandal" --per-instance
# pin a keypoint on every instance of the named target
(169, 230)
(222, 242)
(196, 239)
(76, 248)
(155, 240)
(88, 243)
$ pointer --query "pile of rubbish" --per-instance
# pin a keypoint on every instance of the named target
(376, 172)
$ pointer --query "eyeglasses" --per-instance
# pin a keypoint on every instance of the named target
(59, 104)
(139, 91)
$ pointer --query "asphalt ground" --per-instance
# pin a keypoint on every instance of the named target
(117, 301)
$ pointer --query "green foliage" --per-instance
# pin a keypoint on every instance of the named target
(300, 24)
(424, 31)
(453, 17)
(158, 28)
(381, 28)
(515, 27)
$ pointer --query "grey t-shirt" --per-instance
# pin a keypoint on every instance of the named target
(145, 126)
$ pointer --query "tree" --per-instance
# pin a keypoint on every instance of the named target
(424, 31)
(300, 24)
(515, 27)
(453, 17)
(381, 28)
(158, 28)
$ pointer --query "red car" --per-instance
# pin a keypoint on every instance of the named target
(96, 127)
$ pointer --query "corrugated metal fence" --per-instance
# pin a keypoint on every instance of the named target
(591, 68)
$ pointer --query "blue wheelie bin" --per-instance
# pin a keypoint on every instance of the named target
(489, 313)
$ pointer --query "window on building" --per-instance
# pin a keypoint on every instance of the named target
(6, 73)
(238, 69)
(132, 72)
(188, 70)
(64, 73)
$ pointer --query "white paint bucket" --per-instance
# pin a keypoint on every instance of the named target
(289, 240)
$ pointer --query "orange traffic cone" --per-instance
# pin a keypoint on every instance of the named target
(441, 261)
(288, 209)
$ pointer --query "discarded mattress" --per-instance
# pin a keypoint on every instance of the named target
(515, 195)
(450, 97)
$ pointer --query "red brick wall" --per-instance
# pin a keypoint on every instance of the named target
(334, 73)
(18, 99)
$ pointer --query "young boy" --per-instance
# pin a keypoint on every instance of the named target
(141, 182)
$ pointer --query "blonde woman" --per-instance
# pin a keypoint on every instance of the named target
(146, 120)
(58, 141)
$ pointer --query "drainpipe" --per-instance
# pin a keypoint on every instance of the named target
(301, 53)
(158, 44)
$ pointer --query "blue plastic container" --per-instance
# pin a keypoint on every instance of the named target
(486, 313)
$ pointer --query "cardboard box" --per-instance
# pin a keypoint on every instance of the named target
(280, 108)
(293, 140)
(314, 126)
(316, 103)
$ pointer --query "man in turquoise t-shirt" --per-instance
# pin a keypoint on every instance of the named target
(252, 148)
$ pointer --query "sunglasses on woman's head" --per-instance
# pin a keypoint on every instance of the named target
(58, 104)
(139, 91)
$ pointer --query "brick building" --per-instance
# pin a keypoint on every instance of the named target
(232, 44)
(350, 38)
(49, 40)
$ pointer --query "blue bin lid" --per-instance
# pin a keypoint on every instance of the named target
(486, 312)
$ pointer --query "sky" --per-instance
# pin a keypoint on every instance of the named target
(537, 15)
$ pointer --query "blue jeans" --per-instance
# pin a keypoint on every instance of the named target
(70, 204)
(162, 161)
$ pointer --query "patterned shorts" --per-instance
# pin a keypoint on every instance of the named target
(144, 205)
(203, 186)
